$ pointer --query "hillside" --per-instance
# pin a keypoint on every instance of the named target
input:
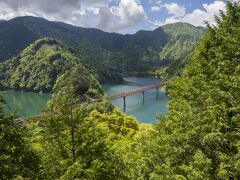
(183, 39)
(146, 52)
(41, 64)
(82, 136)
(199, 138)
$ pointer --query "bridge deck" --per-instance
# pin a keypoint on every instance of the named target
(112, 97)
(136, 91)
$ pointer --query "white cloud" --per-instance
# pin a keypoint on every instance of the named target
(94, 10)
(172, 8)
(155, 8)
(123, 16)
(196, 17)
(127, 14)
(87, 13)
(168, 20)
(175, 9)
(154, 1)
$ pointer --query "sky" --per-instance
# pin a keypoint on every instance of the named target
(121, 16)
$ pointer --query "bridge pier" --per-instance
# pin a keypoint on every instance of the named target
(124, 103)
(141, 90)
(143, 97)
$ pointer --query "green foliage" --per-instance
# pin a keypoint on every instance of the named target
(150, 52)
(183, 39)
(83, 85)
(17, 159)
(38, 66)
(199, 138)
(2, 101)
(143, 53)
(87, 142)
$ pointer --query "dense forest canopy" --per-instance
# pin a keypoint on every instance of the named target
(39, 66)
(198, 139)
(162, 52)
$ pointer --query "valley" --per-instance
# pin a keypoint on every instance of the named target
(162, 52)
(31, 104)
(63, 113)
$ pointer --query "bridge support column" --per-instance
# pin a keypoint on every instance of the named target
(143, 97)
(124, 103)
(157, 92)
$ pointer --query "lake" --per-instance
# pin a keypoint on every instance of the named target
(144, 112)
(30, 103)
(26, 103)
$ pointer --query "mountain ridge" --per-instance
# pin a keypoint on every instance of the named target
(39, 66)
(130, 54)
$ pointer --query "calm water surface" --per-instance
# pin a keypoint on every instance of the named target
(26, 103)
(30, 103)
(144, 112)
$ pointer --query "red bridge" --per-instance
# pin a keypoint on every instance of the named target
(136, 91)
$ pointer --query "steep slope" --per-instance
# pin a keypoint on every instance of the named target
(22, 31)
(199, 138)
(182, 40)
(162, 52)
(39, 66)
(165, 49)
(14, 37)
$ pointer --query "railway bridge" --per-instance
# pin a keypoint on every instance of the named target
(123, 95)
(112, 97)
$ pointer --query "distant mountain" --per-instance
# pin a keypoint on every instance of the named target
(40, 65)
(18, 33)
(162, 51)
(182, 40)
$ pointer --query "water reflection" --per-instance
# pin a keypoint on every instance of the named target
(144, 112)
(26, 103)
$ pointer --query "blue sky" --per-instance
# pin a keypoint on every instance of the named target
(189, 5)
(193, 12)
(122, 16)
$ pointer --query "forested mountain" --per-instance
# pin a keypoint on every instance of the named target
(40, 65)
(162, 51)
(199, 138)
(183, 39)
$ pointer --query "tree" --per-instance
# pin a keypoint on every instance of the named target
(17, 158)
(77, 139)
(199, 139)
(79, 84)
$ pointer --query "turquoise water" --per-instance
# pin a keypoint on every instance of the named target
(144, 112)
(26, 103)
(30, 103)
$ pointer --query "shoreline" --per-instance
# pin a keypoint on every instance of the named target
(25, 90)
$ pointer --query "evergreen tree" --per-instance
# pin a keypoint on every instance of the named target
(78, 83)
(17, 158)
(80, 140)
(199, 139)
